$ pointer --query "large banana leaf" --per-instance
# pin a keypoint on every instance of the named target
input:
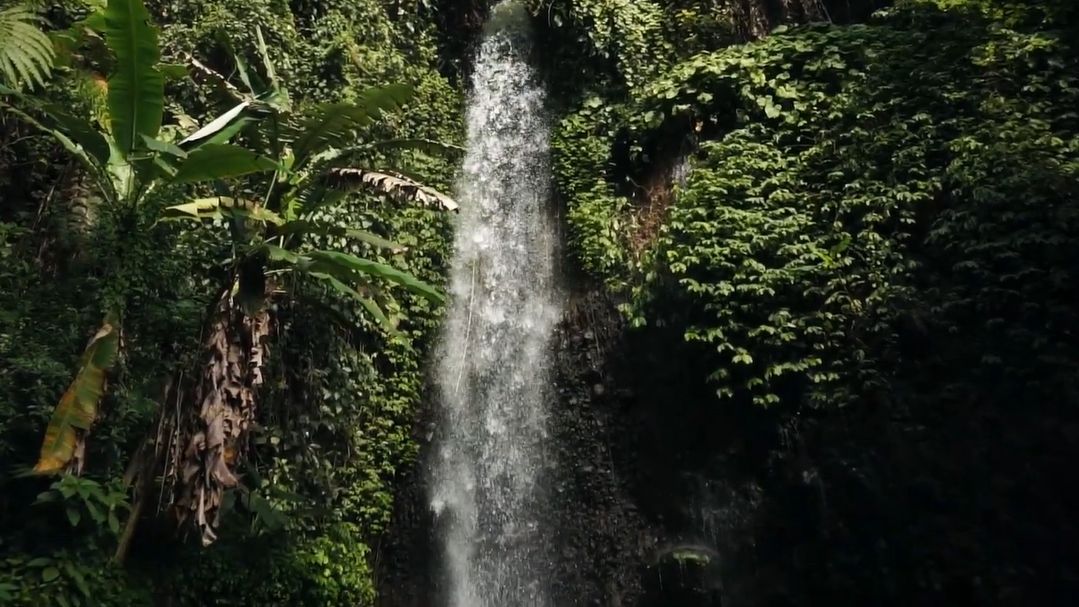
(82, 132)
(220, 161)
(300, 226)
(136, 87)
(78, 407)
(330, 276)
(368, 304)
(351, 269)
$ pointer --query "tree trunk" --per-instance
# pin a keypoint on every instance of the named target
(214, 431)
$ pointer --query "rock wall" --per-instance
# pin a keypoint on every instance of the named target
(649, 501)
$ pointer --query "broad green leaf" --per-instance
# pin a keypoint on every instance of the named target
(38, 562)
(277, 253)
(265, 54)
(338, 263)
(219, 124)
(306, 227)
(81, 132)
(367, 303)
(77, 409)
(136, 87)
(221, 161)
(163, 147)
(80, 580)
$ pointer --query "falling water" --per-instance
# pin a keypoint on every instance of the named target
(492, 372)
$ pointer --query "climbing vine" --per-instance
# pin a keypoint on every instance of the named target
(837, 205)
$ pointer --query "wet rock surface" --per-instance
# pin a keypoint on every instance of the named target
(635, 478)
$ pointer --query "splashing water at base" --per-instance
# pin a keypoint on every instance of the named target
(493, 363)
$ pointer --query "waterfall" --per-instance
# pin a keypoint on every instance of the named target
(493, 363)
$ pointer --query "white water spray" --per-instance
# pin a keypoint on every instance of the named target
(493, 373)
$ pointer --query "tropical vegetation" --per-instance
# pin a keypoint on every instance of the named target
(840, 235)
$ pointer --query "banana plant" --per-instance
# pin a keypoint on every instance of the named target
(125, 160)
(314, 153)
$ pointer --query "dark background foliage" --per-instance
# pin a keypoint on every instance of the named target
(866, 238)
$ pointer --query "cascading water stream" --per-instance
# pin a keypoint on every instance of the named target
(493, 364)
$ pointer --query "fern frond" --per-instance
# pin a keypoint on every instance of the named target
(26, 52)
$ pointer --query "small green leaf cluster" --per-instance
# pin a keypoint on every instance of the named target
(628, 43)
(328, 568)
(84, 499)
(597, 213)
(67, 579)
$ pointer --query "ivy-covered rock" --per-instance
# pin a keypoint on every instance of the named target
(854, 187)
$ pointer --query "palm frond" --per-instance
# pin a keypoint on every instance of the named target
(334, 125)
(26, 52)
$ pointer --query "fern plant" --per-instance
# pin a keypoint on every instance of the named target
(26, 53)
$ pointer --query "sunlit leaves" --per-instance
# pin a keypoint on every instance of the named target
(221, 161)
(26, 53)
(136, 87)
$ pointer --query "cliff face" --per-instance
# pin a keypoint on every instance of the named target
(659, 497)
(647, 505)
(854, 383)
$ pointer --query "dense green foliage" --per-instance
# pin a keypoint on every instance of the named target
(870, 232)
(335, 425)
(865, 235)
(850, 184)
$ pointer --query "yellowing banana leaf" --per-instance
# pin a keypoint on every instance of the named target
(217, 207)
(78, 407)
